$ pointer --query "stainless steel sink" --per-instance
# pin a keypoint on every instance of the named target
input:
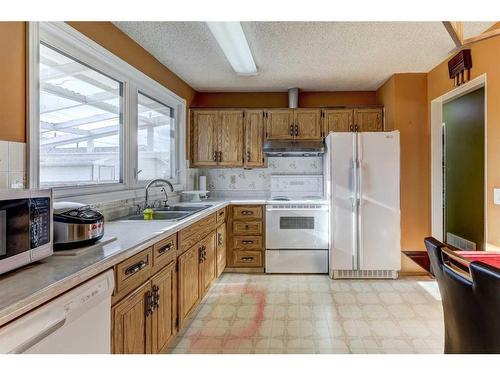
(181, 208)
(172, 213)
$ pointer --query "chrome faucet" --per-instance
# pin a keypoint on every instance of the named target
(153, 182)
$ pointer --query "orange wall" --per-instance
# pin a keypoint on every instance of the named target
(13, 69)
(405, 99)
(12, 81)
(307, 99)
(485, 59)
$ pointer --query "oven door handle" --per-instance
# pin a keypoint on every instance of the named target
(325, 208)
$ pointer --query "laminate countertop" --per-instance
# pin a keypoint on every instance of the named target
(31, 286)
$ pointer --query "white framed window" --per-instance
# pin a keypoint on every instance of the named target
(97, 125)
(156, 139)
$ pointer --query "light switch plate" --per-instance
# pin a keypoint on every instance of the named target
(496, 195)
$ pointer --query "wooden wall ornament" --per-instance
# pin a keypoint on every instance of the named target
(459, 67)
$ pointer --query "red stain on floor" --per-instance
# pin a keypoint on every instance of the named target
(200, 342)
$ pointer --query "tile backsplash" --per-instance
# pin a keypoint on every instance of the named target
(257, 182)
(12, 165)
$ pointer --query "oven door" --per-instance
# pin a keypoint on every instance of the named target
(296, 226)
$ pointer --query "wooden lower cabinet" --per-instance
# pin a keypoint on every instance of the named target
(132, 323)
(164, 286)
(189, 282)
(221, 248)
(145, 321)
(208, 265)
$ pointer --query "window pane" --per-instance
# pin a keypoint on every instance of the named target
(80, 123)
(156, 139)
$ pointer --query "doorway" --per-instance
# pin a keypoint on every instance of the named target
(439, 224)
(464, 171)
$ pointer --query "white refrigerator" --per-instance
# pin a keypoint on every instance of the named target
(362, 172)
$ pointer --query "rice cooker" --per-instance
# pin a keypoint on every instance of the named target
(76, 225)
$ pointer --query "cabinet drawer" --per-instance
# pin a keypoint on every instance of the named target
(221, 215)
(244, 258)
(133, 271)
(247, 212)
(196, 232)
(247, 227)
(247, 242)
(164, 252)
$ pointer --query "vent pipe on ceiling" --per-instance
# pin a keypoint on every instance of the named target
(293, 97)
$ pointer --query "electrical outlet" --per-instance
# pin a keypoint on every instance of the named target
(233, 179)
(496, 195)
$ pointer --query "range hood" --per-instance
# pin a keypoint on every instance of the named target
(294, 148)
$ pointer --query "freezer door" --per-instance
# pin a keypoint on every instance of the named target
(379, 208)
(342, 187)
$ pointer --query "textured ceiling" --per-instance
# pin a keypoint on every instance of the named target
(319, 56)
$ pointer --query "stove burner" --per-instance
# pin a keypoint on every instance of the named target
(280, 198)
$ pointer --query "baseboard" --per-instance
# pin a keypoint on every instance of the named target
(244, 270)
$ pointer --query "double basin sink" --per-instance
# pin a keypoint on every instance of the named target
(171, 213)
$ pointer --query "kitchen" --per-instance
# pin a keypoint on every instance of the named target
(148, 207)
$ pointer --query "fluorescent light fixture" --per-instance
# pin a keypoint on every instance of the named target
(233, 42)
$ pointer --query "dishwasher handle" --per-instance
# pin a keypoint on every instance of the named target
(39, 337)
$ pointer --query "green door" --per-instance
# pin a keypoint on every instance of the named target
(464, 167)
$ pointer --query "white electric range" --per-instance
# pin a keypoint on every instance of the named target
(297, 225)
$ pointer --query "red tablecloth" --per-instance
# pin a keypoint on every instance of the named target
(489, 257)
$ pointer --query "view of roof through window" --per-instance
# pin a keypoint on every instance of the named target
(155, 139)
(80, 123)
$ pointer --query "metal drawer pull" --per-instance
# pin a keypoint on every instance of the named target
(156, 296)
(165, 248)
(246, 212)
(136, 267)
(220, 240)
(296, 130)
(246, 259)
(246, 242)
(291, 130)
(149, 303)
(214, 157)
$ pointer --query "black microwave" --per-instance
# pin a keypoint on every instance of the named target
(25, 227)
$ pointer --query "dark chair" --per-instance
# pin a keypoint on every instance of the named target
(471, 305)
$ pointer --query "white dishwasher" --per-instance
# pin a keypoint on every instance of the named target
(77, 322)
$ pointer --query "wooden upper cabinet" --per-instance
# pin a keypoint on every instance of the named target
(204, 138)
(230, 142)
(164, 288)
(132, 323)
(307, 124)
(189, 286)
(279, 124)
(254, 139)
(369, 119)
(337, 120)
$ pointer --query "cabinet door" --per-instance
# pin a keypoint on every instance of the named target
(132, 323)
(208, 267)
(231, 139)
(164, 289)
(279, 124)
(254, 139)
(204, 138)
(188, 279)
(369, 119)
(338, 120)
(221, 248)
(307, 124)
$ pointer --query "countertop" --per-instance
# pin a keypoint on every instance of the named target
(30, 286)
